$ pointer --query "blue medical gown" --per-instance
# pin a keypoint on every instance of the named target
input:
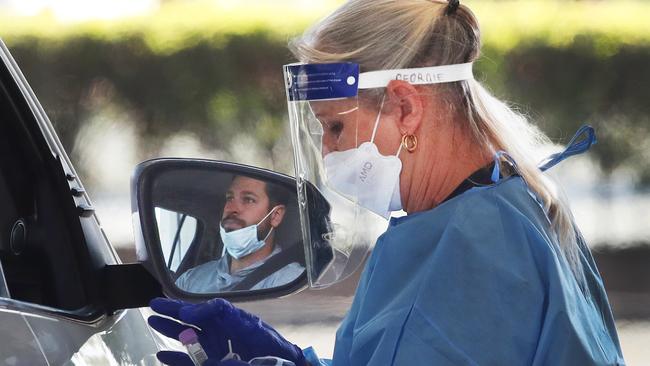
(478, 280)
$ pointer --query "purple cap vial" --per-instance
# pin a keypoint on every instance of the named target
(188, 336)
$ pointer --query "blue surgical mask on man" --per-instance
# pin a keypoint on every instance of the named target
(242, 242)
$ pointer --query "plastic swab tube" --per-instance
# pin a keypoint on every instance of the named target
(190, 340)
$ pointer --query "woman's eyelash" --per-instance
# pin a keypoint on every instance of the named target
(335, 127)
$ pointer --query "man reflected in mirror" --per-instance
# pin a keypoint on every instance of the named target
(253, 212)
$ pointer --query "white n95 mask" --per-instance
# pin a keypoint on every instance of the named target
(364, 173)
(242, 242)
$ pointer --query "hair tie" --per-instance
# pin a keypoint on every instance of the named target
(452, 6)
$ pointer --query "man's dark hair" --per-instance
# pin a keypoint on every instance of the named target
(278, 195)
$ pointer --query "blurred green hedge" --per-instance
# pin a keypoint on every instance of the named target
(216, 70)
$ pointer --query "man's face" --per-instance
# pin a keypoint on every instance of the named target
(247, 203)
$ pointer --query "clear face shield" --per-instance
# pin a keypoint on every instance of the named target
(337, 161)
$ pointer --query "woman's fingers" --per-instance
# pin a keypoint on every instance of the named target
(165, 306)
(167, 327)
(211, 362)
(174, 358)
(209, 313)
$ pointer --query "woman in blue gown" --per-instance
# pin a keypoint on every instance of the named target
(488, 267)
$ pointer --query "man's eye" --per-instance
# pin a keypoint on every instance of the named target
(249, 200)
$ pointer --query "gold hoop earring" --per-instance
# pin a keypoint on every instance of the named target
(410, 142)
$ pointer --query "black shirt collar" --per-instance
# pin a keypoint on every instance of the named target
(479, 178)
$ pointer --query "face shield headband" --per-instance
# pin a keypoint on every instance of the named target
(307, 82)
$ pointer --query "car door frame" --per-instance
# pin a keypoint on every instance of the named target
(102, 312)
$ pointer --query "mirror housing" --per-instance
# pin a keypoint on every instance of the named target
(189, 183)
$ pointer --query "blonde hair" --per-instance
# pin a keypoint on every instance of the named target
(396, 34)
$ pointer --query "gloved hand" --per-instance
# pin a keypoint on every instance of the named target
(220, 321)
(184, 360)
(225, 363)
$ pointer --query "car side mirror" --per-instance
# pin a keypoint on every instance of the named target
(210, 229)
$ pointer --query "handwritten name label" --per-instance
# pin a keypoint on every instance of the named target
(421, 77)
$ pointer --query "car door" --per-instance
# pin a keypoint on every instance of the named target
(63, 288)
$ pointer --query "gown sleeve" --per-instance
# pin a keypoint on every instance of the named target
(345, 332)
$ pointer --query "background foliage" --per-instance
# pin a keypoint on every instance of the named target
(212, 69)
(215, 70)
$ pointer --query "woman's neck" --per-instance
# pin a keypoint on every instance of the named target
(436, 170)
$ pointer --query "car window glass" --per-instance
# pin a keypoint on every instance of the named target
(4, 289)
(7, 219)
(177, 232)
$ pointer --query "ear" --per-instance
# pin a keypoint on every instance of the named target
(407, 104)
(278, 215)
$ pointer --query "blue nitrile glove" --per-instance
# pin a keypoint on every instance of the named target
(181, 359)
(220, 321)
(226, 363)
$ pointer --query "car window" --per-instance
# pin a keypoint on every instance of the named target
(42, 249)
(4, 289)
(7, 220)
(176, 235)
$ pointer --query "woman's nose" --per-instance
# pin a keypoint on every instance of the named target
(325, 150)
(327, 145)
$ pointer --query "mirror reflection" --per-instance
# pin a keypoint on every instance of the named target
(222, 231)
